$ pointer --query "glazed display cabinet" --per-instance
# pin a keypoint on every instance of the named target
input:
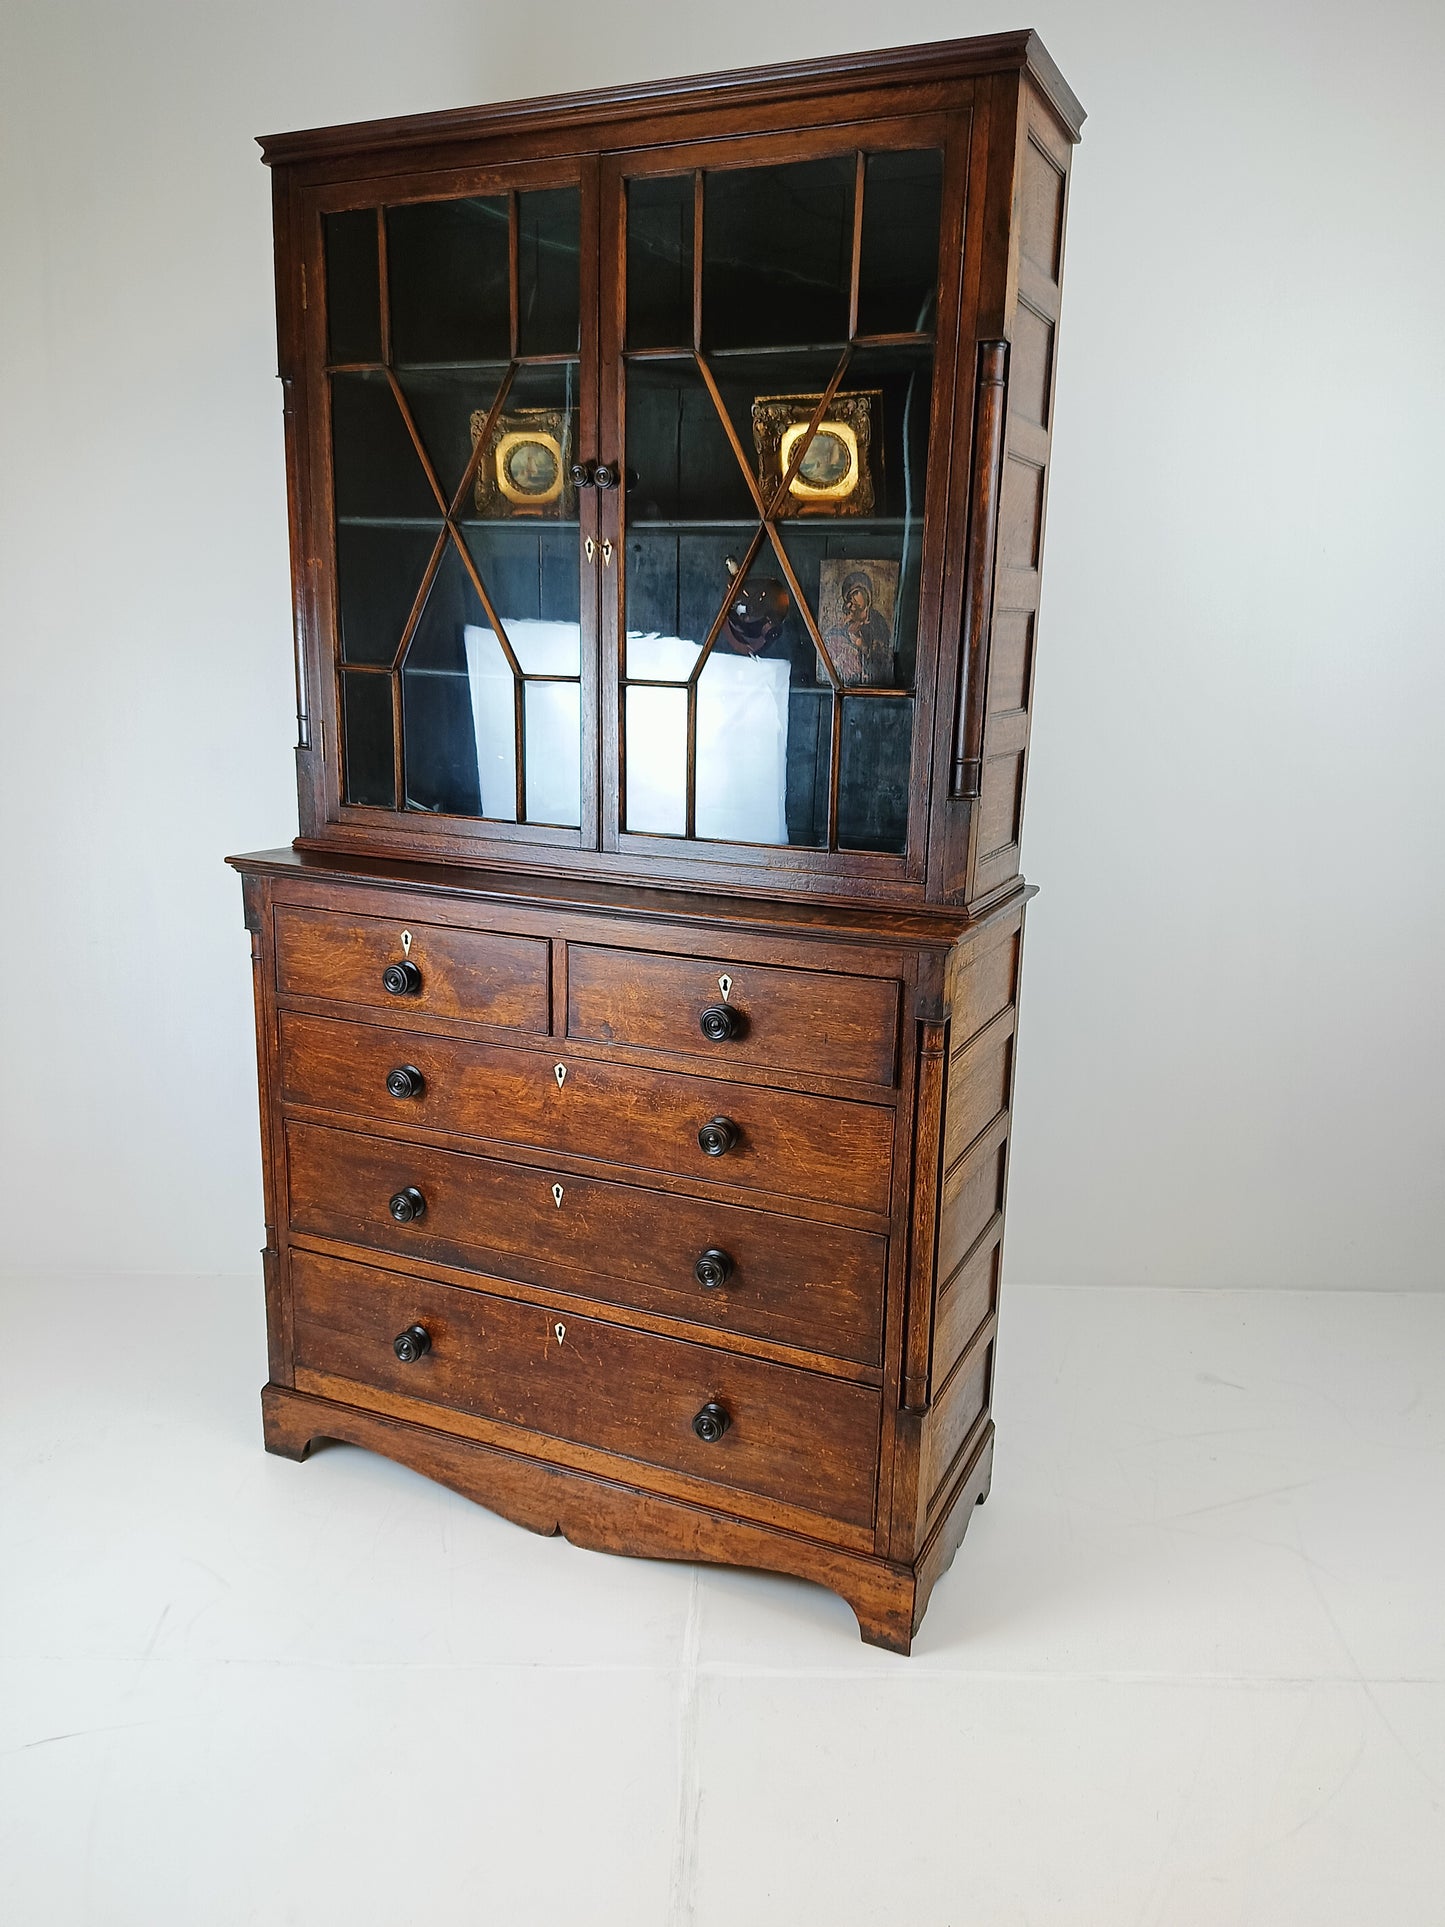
(636, 1007)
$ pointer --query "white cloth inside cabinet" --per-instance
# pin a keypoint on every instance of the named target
(742, 742)
(551, 719)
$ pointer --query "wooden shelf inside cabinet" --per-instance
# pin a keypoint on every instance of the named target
(667, 469)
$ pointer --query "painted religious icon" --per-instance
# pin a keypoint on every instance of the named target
(856, 601)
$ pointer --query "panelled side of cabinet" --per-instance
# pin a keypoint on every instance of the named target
(965, 1083)
(980, 809)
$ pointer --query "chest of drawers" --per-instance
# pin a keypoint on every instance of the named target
(677, 1234)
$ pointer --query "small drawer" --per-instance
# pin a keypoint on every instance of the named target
(817, 1286)
(794, 1436)
(426, 969)
(732, 1014)
(824, 1148)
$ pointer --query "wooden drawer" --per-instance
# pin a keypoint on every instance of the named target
(800, 1020)
(474, 974)
(798, 1282)
(793, 1436)
(810, 1147)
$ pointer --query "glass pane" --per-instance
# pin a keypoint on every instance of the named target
(379, 570)
(675, 586)
(366, 725)
(656, 758)
(531, 575)
(861, 586)
(898, 267)
(449, 719)
(877, 737)
(443, 404)
(378, 472)
(353, 286)
(553, 719)
(902, 379)
(766, 397)
(681, 466)
(450, 282)
(525, 473)
(659, 262)
(742, 748)
(777, 252)
(759, 712)
(810, 762)
(549, 245)
(860, 572)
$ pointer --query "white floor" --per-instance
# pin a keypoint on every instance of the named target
(1188, 1669)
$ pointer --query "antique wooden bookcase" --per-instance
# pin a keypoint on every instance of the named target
(636, 1008)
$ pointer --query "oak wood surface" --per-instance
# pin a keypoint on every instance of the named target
(477, 974)
(791, 1278)
(810, 1440)
(786, 1142)
(803, 1020)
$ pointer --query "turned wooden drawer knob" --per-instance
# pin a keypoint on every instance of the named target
(718, 1136)
(401, 980)
(713, 1268)
(408, 1205)
(718, 1023)
(405, 1081)
(410, 1344)
(711, 1422)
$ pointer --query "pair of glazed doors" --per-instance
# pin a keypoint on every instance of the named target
(632, 469)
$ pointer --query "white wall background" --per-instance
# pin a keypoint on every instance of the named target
(1232, 1043)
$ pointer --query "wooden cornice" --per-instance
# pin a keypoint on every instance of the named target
(936, 61)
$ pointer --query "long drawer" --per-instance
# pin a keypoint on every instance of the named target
(804, 1020)
(798, 1282)
(479, 975)
(791, 1435)
(780, 1141)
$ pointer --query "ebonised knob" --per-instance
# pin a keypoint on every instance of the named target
(410, 1344)
(718, 1136)
(401, 980)
(405, 1081)
(604, 476)
(584, 474)
(711, 1422)
(407, 1205)
(713, 1268)
(718, 1023)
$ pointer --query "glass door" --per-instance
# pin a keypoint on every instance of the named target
(460, 338)
(775, 358)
